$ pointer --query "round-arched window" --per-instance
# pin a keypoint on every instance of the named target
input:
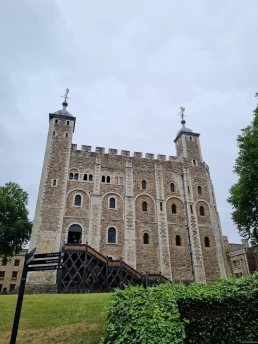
(74, 234)
(146, 238)
(111, 235)
(78, 200)
(206, 242)
(178, 240)
(112, 203)
(144, 206)
(202, 213)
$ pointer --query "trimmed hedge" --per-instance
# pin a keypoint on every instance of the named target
(221, 313)
(138, 315)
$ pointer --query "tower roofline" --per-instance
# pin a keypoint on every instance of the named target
(181, 132)
(56, 115)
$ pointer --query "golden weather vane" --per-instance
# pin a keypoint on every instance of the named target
(182, 112)
(66, 94)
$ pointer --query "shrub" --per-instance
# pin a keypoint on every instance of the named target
(146, 316)
(221, 313)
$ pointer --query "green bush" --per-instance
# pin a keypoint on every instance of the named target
(146, 316)
(220, 313)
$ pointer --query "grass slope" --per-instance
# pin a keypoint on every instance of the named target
(47, 319)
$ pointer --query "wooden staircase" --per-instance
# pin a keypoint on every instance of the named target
(87, 270)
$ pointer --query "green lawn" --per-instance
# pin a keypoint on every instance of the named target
(47, 319)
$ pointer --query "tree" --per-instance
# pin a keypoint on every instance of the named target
(244, 194)
(15, 226)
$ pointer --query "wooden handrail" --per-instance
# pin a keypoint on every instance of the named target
(131, 270)
(113, 263)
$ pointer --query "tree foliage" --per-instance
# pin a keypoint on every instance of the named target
(15, 226)
(244, 194)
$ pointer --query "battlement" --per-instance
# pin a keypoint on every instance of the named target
(124, 153)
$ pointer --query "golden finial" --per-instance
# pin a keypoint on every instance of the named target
(66, 95)
(181, 112)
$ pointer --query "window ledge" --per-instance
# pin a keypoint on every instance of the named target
(110, 243)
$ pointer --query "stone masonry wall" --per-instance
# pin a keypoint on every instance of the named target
(47, 226)
(129, 209)
(180, 183)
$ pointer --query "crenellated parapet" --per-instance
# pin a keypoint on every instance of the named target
(124, 153)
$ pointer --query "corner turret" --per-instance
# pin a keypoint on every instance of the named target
(188, 143)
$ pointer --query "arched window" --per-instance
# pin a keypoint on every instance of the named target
(178, 240)
(116, 180)
(173, 209)
(66, 134)
(146, 238)
(112, 202)
(207, 242)
(74, 234)
(54, 133)
(190, 138)
(121, 180)
(202, 210)
(144, 206)
(54, 183)
(103, 179)
(199, 190)
(172, 187)
(111, 235)
(144, 184)
(56, 121)
(85, 177)
(78, 200)
(194, 162)
(67, 122)
(76, 176)
(70, 176)
(90, 177)
(108, 179)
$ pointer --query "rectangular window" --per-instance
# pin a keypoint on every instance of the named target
(161, 206)
(188, 189)
(14, 274)
(12, 286)
(17, 262)
(2, 273)
(1, 287)
(191, 209)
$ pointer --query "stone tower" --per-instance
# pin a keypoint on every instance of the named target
(46, 232)
(158, 214)
(196, 183)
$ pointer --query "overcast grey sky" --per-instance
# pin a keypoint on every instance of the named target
(129, 65)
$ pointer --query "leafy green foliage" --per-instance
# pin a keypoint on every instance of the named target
(220, 313)
(244, 194)
(146, 316)
(15, 227)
